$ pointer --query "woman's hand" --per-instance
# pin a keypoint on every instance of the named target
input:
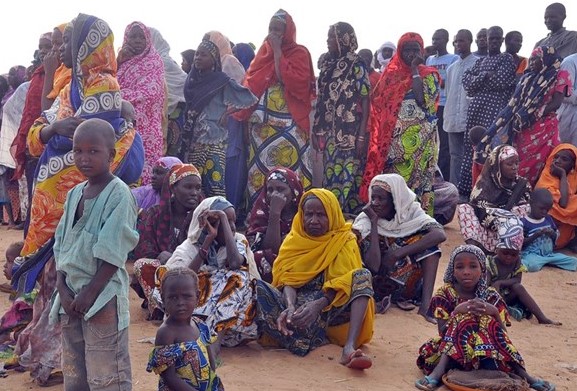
(163, 257)
(417, 60)
(557, 171)
(368, 209)
(51, 62)
(307, 313)
(283, 323)
(67, 126)
(209, 224)
(125, 54)
(276, 203)
(275, 41)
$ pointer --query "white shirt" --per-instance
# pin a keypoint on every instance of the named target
(455, 116)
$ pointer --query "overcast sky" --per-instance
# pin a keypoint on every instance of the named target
(184, 23)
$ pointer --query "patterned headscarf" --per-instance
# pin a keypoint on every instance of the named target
(229, 63)
(259, 215)
(449, 277)
(180, 172)
(338, 101)
(523, 109)
(510, 235)
(387, 97)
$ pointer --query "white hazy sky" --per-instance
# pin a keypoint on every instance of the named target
(184, 23)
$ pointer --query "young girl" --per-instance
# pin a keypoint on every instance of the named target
(505, 271)
(180, 355)
(472, 321)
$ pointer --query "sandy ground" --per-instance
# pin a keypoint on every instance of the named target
(548, 351)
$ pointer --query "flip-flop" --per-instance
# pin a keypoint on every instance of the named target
(359, 360)
(427, 383)
(383, 305)
(542, 385)
(405, 305)
(54, 379)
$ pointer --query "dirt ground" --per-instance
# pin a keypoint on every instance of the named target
(549, 351)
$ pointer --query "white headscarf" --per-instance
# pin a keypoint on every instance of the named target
(173, 74)
(11, 117)
(409, 216)
(385, 61)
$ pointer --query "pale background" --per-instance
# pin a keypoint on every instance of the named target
(184, 23)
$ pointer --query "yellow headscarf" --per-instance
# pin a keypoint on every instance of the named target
(336, 254)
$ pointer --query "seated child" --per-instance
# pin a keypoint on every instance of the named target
(540, 234)
(463, 307)
(92, 242)
(12, 252)
(504, 273)
(476, 134)
(180, 355)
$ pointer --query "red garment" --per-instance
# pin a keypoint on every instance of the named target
(374, 77)
(32, 110)
(296, 68)
(386, 100)
(476, 171)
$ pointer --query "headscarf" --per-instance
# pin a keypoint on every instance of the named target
(62, 75)
(19, 73)
(230, 64)
(47, 36)
(449, 277)
(200, 88)
(244, 53)
(173, 74)
(296, 68)
(384, 61)
(338, 101)
(147, 197)
(167, 162)
(259, 215)
(336, 254)
(409, 216)
(525, 106)
(489, 191)
(568, 214)
(510, 235)
(387, 97)
(10, 121)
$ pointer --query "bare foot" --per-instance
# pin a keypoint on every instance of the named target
(550, 321)
(427, 317)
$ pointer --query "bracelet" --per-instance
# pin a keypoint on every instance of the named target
(416, 76)
(361, 138)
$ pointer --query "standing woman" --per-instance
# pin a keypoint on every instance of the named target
(529, 122)
(404, 122)
(211, 96)
(342, 110)
(141, 78)
(282, 77)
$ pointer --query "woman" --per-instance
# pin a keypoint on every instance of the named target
(403, 119)
(399, 244)
(320, 292)
(271, 217)
(93, 92)
(225, 266)
(149, 195)
(342, 110)
(282, 77)
(141, 78)
(16, 76)
(498, 199)
(244, 53)
(211, 96)
(187, 60)
(560, 177)
(163, 227)
(529, 122)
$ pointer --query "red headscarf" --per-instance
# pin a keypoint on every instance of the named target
(297, 72)
(386, 100)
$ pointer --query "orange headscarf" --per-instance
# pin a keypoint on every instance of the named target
(297, 72)
(568, 214)
(336, 254)
(62, 75)
(387, 97)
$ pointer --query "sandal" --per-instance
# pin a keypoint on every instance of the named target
(542, 385)
(383, 305)
(359, 360)
(427, 383)
(405, 305)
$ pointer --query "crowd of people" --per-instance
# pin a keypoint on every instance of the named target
(258, 202)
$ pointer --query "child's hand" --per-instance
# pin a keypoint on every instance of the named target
(83, 301)
(8, 270)
(66, 299)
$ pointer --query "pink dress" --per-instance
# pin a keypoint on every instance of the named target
(142, 83)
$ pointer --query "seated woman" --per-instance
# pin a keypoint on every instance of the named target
(560, 177)
(148, 196)
(472, 320)
(320, 292)
(163, 227)
(225, 266)
(399, 244)
(500, 197)
(271, 217)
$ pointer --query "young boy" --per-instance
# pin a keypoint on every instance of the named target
(92, 241)
(12, 252)
(504, 273)
(540, 234)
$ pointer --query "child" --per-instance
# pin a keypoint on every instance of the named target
(504, 273)
(180, 355)
(5, 202)
(12, 252)
(92, 241)
(476, 134)
(472, 321)
(540, 234)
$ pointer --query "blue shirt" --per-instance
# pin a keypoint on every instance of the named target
(442, 63)
(457, 103)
